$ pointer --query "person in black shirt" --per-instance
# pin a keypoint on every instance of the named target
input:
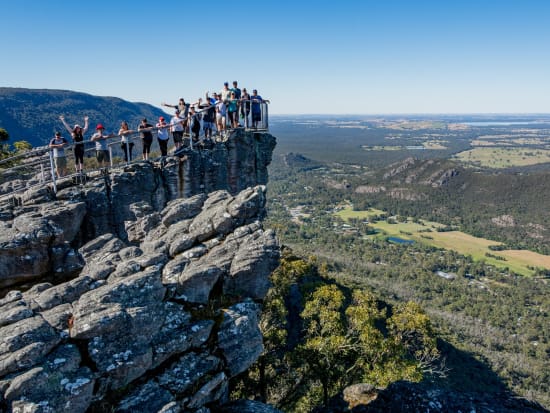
(146, 137)
(77, 133)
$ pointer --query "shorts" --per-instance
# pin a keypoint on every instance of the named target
(60, 162)
(220, 118)
(207, 125)
(256, 116)
(177, 136)
(102, 155)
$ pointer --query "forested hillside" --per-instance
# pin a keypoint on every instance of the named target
(501, 319)
(491, 323)
(33, 114)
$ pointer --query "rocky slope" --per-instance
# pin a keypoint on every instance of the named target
(146, 286)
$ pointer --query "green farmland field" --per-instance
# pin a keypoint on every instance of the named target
(494, 157)
(519, 261)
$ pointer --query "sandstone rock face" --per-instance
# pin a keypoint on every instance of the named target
(133, 320)
(38, 227)
(27, 241)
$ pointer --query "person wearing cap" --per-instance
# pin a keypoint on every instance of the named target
(144, 129)
(176, 127)
(77, 134)
(163, 136)
(101, 150)
(225, 92)
(57, 144)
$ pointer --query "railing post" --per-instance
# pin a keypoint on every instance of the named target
(111, 155)
(52, 168)
(191, 132)
(42, 173)
(127, 151)
(246, 124)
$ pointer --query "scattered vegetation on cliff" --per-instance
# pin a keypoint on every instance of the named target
(321, 336)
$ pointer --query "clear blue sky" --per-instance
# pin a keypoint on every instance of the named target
(361, 56)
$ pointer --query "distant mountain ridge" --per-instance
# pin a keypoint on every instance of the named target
(33, 114)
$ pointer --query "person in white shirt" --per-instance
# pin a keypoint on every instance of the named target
(163, 136)
(125, 143)
(57, 145)
(176, 127)
(221, 113)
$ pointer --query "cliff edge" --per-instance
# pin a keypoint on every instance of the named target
(145, 285)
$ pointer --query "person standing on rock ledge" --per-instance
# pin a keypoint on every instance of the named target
(146, 137)
(125, 145)
(101, 150)
(77, 133)
(177, 126)
(256, 108)
(163, 136)
(57, 144)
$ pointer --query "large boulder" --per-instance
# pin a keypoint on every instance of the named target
(240, 325)
(157, 309)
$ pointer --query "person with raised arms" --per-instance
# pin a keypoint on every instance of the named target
(77, 134)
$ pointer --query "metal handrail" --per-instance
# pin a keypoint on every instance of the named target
(45, 155)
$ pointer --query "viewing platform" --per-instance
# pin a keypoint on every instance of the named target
(35, 169)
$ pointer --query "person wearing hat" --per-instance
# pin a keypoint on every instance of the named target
(163, 136)
(77, 133)
(144, 129)
(101, 150)
(57, 145)
(225, 92)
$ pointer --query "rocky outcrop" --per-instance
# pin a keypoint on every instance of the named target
(148, 284)
(39, 225)
(369, 189)
(406, 194)
(141, 326)
(442, 178)
(37, 242)
(398, 168)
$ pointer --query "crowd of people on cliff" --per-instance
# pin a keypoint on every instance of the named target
(214, 114)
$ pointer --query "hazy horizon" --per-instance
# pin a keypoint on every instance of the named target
(391, 57)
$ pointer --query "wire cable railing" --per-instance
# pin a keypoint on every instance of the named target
(36, 167)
